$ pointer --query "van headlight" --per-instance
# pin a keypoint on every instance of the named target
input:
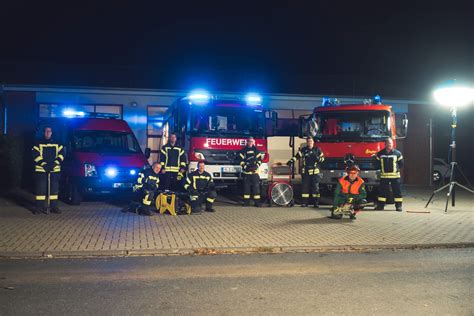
(111, 172)
(90, 170)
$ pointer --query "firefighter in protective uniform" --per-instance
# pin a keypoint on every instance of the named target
(250, 159)
(390, 161)
(148, 184)
(173, 162)
(311, 158)
(48, 156)
(201, 188)
(350, 189)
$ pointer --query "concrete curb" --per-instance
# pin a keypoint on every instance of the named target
(219, 251)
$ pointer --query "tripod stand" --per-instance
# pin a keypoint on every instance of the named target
(452, 170)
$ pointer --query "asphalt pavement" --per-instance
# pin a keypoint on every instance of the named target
(410, 282)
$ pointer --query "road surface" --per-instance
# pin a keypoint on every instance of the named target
(410, 282)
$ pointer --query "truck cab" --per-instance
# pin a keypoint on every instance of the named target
(351, 133)
(214, 128)
(102, 155)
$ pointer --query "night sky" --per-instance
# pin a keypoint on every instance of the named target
(334, 47)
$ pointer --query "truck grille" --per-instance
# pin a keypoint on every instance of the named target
(214, 156)
(338, 164)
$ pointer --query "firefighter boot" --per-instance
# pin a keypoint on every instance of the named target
(398, 206)
(246, 202)
(316, 203)
(209, 208)
(145, 211)
(380, 206)
(55, 210)
(37, 210)
(334, 216)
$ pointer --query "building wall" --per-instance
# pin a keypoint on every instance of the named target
(22, 117)
(134, 106)
(22, 114)
(416, 147)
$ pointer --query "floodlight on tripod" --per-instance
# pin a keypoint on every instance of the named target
(453, 95)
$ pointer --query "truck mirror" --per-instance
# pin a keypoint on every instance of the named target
(301, 127)
(402, 126)
(275, 119)
(307, 126)
(147, 153)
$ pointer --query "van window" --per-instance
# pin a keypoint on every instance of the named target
(105, 142)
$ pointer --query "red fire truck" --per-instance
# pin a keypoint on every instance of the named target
(352, 132)
(214, 128)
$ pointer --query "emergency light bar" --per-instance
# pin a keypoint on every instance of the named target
(253, 99)
(202, 97)
(330, 101)
(71, 113)
(199, 97)
(327, 101)
(377, 99)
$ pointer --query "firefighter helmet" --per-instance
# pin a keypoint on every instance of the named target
(352, 168)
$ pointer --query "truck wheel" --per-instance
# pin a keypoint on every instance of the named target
(437, 177)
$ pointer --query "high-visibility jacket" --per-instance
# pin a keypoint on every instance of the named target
(148, 180)
(389, 163)
(349, 189)
(250, 159)
(48, 152)
(199, 182)
(311, 158)
(172, 158)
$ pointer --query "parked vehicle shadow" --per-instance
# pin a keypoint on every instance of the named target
(320, 220)
(21, 198)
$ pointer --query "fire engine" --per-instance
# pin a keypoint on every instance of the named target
(214, 128)
(351, 133)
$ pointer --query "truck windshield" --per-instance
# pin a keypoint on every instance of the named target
(105, 142)
(227, 120)
(352, 126)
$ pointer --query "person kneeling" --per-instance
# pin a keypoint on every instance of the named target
(201, 187)
(350, 194)
(148, 183)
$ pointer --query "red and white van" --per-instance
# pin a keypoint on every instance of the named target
(102, 155)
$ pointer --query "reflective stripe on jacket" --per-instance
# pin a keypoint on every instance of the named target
(390, 163)
(196, 181)
(148, 179)
(250, 159)
(47, 152)
(172, 158)
(311, 158)
(348, 187)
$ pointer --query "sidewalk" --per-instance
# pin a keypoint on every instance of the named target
(101, 229)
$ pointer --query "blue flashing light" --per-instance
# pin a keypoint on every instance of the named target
(253, 99)
(377, 99)
(199, 97)
(73, 113)
(326, 101)
(111, 172)
(133, 172)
